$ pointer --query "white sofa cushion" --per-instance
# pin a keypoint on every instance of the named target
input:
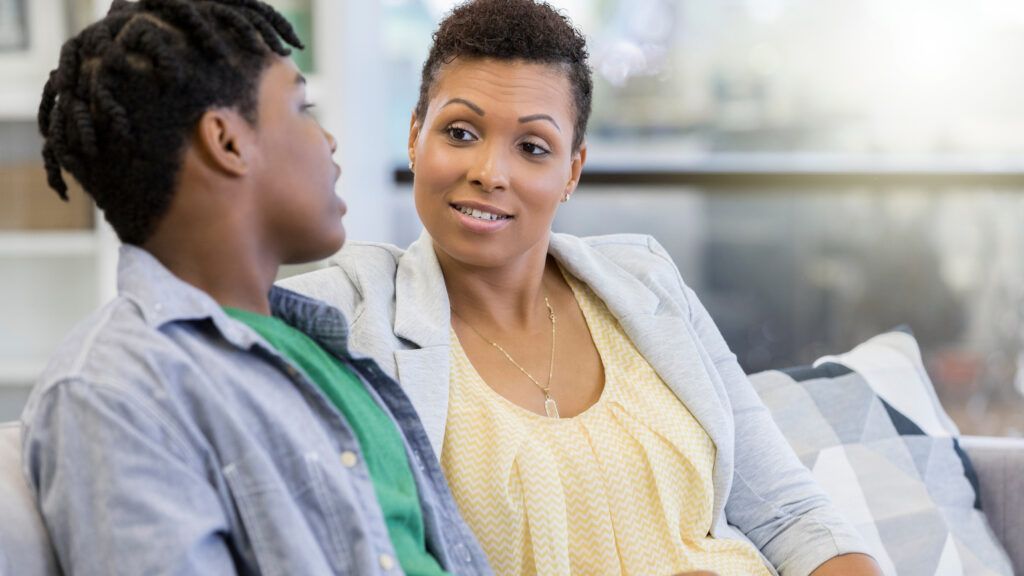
(25, 548)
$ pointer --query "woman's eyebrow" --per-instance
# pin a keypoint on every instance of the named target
(467, 104)
(522, 119)
(534, 117)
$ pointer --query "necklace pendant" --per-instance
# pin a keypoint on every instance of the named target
(550, 407)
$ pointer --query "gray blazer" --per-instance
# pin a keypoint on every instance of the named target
(400, 316)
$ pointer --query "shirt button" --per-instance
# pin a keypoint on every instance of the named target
(387, 562)
(348, 459)
(463, 552)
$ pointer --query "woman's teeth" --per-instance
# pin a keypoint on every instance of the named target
(480, 214)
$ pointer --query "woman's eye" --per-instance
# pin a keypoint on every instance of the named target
(460, 134)
(308, 106)
(534, 149)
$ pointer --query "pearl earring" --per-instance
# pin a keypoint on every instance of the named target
(568, 192)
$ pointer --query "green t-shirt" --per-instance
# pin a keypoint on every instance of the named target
(379, 437)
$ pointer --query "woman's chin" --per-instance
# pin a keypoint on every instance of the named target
(477, 254)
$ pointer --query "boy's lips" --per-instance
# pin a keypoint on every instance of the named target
(342, 207)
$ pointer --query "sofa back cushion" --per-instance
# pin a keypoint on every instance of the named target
(869, 427)
(24, 544)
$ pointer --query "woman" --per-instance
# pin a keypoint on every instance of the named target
(588, 414)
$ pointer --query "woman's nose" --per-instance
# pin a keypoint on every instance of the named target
(490, 170)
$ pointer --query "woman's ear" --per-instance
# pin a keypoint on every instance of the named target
(222, 139)
(414, 134)
(579, 158)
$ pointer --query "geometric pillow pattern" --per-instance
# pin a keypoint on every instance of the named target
(891, 364)
(913, 497)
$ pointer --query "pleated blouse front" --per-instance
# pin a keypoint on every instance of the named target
(623, 488)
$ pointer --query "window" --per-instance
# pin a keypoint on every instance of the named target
(820, 171)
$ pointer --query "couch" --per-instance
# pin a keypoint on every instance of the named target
(25, 548)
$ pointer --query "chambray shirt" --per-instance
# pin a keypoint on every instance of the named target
(167, 438)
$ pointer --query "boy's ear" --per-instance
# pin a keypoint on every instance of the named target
(223, 140)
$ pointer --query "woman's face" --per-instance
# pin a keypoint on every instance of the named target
(493, 159)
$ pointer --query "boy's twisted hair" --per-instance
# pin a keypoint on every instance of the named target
(118, 110)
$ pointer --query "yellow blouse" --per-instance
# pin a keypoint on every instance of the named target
(623, 488)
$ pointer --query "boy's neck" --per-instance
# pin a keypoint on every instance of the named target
(228, 264)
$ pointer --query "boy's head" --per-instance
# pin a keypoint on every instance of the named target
(133, 94)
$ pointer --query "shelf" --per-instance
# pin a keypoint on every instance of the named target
(20, 374)
(21, 102)
(48, 244)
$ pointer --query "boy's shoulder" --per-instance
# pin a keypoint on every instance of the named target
(110, 330)
(113, 346)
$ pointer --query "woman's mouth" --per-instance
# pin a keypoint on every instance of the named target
(480, 214)
(479, 219)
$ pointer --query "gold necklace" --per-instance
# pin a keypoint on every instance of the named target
(550, 407)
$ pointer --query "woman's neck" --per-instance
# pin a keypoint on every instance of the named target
(510, 296)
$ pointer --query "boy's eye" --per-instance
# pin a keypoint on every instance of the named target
(308, 106)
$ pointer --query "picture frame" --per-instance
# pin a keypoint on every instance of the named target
(31, 35)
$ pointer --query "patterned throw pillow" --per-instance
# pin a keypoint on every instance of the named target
(869, 426)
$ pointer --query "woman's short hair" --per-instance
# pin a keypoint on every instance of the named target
(512, 30)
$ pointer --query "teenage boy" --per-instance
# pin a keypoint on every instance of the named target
(204, 421)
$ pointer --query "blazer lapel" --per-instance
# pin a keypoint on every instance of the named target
(422, 318)
(660, 333)
(424, 374)
(667, 343)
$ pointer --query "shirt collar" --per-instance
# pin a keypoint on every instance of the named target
(164, 298)
(318, 320)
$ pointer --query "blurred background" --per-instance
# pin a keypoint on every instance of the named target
(821, 171)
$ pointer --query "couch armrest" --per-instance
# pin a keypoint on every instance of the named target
(999, 463)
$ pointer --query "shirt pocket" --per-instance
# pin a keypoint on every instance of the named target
(291, 522)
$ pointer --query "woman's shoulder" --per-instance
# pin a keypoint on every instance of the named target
(357, 269)
(639, 255)
(628, 246)
(360, 258)
(624, 262)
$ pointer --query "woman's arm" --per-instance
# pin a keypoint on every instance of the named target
(849, 564)
(845, 565)
(774, 499)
